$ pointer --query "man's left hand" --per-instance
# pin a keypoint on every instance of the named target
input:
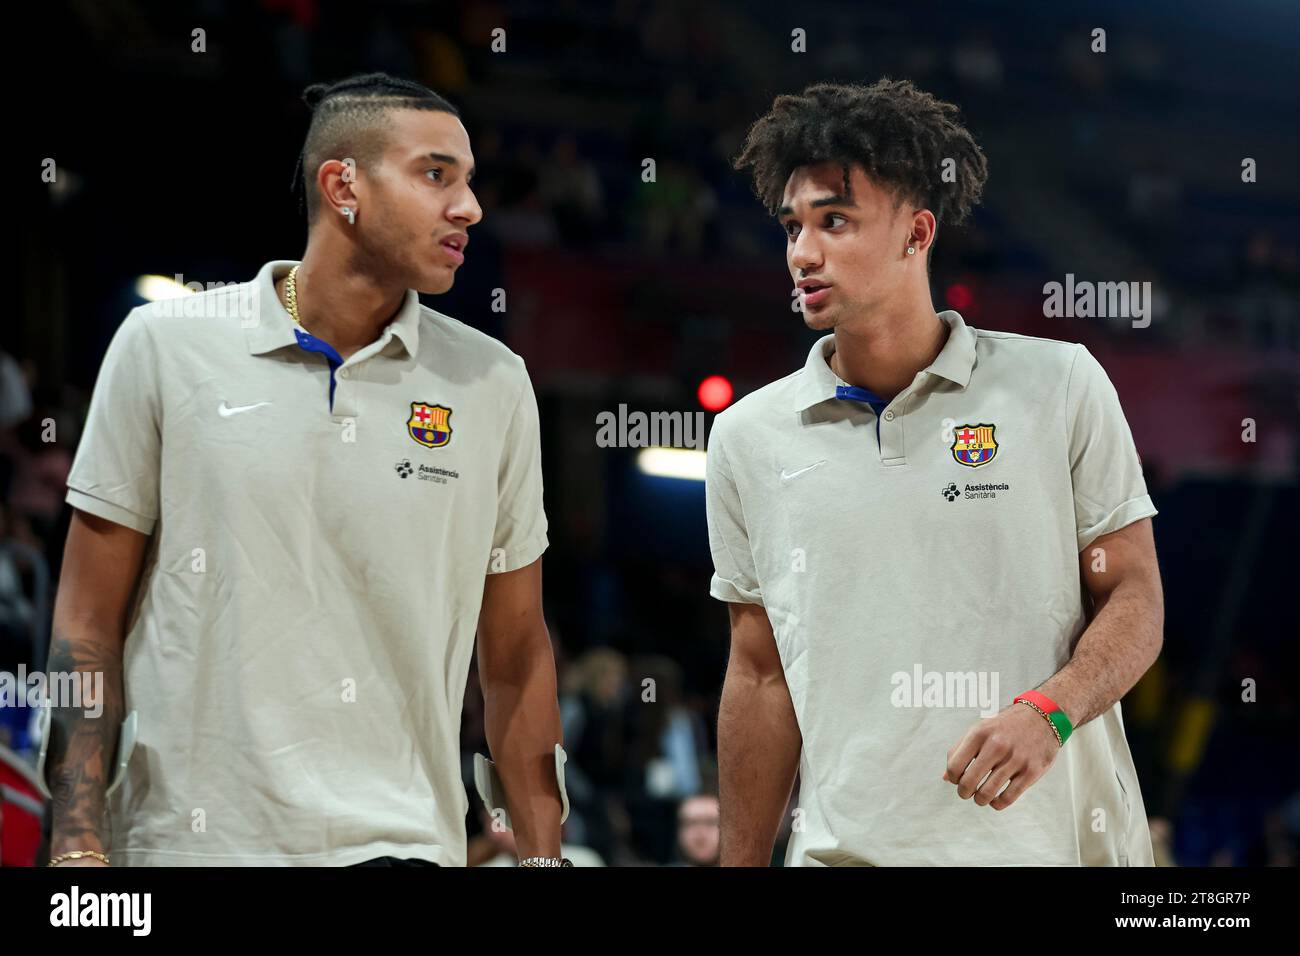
(1016, 745)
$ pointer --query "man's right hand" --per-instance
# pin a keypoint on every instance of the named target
(758, 741)
(101, 569)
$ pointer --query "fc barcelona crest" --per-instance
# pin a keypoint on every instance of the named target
(430, 425)
(974, 445)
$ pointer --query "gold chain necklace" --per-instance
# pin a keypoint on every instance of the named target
(291, 296)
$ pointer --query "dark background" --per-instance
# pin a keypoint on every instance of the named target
(1122, 166)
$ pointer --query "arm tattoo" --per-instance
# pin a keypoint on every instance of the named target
(82, 749)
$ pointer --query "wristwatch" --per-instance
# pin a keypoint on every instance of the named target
(546, 861)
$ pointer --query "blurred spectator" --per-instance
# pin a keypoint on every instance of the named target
(977, 63)
(15, 395)
(699, 834)
(665, 743)
(17, 610)
(523, 219)
(572, 192)
(42, 458)
(592, 711)
(591, 714)
(1162, 840)
(1282, 834)
(674, 212)
(1155, 200)
(1266, 302)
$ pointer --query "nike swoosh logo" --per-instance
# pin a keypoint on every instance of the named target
(787, 476)
(225, 411)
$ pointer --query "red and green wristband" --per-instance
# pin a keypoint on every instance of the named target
(1051, 712)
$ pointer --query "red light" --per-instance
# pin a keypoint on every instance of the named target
(959, 296)
(715, 393)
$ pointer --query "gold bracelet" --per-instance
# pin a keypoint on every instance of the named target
(1042, 714)
(77, 855)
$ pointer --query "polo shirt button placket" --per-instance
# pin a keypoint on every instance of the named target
(344, 398)
(891, 443)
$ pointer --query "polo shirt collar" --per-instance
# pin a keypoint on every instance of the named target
(954, 362)
(271, 327)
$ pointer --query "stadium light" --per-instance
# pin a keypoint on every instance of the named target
(684, 463)
(153, 288)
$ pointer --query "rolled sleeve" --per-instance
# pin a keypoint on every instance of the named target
(520, 535)
(1109, 490)
(734, 578)
(115, 473)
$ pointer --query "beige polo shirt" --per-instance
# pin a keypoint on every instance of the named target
(302, 637)
(920, 569)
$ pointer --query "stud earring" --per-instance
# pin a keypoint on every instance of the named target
(351, 214)
(911, 250)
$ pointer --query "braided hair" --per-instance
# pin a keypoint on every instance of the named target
(350, 119)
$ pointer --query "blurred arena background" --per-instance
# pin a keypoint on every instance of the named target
(1122, 166)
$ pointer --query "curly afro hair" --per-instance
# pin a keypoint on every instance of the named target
(898, 134)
